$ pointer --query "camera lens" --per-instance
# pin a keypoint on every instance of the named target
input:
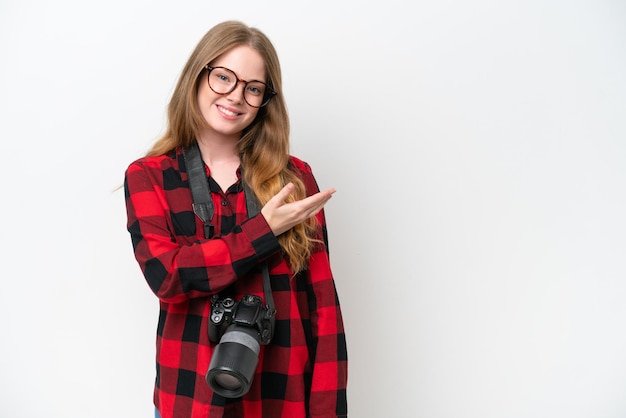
(234, 362)
(227, 381)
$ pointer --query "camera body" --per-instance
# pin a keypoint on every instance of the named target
(248, 312)
(240, 327)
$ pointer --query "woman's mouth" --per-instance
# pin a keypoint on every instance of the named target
(227, 112)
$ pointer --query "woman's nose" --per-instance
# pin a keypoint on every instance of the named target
(237, 94)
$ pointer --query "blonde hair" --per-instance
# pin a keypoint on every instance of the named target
(264, 145)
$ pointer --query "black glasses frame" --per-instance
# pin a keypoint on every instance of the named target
(267, 96)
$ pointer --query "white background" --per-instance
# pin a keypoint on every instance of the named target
(478, 233)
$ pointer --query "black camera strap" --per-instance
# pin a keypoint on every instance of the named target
(203, 207)
(199, 185)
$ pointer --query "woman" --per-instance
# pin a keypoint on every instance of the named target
(229, 102)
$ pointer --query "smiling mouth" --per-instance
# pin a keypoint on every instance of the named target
(228, 112)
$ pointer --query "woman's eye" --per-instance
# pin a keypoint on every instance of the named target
(256, 90)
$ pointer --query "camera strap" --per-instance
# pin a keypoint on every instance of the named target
(203, 207)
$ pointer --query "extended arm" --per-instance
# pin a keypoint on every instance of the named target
(198, 268)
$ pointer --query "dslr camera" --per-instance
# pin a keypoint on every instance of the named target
(243, 327)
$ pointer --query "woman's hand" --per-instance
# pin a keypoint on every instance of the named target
(282, 216)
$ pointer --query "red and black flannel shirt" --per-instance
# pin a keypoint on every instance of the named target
(303, 371)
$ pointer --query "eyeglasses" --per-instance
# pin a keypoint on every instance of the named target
(223, 81)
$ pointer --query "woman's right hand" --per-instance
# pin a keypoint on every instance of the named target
(282, 216)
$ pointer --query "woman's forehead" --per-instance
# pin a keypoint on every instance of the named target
(244, 60)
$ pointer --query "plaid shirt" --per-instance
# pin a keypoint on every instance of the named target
(303, 371)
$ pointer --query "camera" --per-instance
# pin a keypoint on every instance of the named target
(243, 327)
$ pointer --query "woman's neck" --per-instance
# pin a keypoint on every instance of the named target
(218, 150)
(222, 158)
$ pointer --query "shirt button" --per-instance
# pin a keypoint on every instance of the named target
(224, 203)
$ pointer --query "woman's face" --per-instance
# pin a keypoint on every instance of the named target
(229, 114)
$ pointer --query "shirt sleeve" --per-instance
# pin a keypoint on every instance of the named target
(330, 362)
(199, 268)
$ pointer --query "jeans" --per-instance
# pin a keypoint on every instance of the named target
(156, 413)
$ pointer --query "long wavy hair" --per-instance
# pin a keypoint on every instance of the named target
(264, 145)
